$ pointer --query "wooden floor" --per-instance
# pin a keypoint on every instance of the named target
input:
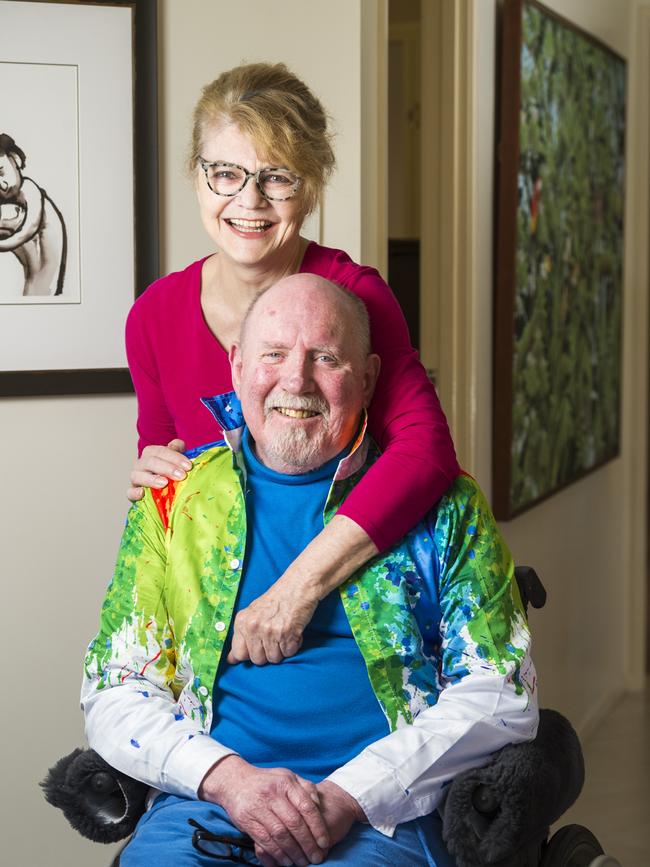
(615, 803)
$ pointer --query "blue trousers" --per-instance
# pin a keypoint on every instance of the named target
(163, 838)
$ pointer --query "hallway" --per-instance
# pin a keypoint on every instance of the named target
(615, 802)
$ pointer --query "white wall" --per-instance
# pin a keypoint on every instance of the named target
(67, 459)
(584, 541)
(320, 42)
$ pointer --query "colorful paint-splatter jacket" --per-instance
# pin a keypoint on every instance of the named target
(438, 620)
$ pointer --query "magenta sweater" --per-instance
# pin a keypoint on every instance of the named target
(175, 360)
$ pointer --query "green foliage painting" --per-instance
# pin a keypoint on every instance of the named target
(569, 258)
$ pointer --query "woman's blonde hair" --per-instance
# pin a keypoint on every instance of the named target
(281, 116)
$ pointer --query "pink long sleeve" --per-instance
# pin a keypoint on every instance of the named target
(406, 419)
(175, 360)
(155, 423)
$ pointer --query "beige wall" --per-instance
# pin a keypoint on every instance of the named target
(61, 514)
(67, 459)
(587, 541)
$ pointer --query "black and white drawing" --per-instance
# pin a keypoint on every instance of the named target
(31, 225)
(40, 189)
(78, 88)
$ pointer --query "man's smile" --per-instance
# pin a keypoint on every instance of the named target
(296, 413)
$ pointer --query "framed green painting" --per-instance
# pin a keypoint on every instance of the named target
(559, 256)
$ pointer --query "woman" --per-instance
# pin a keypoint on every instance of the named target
(260, 158)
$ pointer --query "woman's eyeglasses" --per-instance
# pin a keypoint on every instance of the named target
(228, 179)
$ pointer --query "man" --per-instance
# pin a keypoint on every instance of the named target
(416, 670)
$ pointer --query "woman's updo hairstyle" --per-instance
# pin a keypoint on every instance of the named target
(280, 115)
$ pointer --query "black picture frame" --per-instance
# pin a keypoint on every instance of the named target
(23, 383)
(559, 249)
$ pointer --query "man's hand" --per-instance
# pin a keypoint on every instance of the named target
(275, 807)
(340, 810)
(272, 625)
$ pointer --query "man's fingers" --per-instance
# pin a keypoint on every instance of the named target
(275, 807)
(264, 839)
(176, 445)
(264, 858)
(292, 833)
(307, 802)
(311, 789)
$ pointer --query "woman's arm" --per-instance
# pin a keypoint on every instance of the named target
(417, 466)
(406, 420)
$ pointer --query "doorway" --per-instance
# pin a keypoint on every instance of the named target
(404, 155)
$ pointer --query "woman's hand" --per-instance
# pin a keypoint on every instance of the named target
(272, 625)
(271, 628)
(156, 466)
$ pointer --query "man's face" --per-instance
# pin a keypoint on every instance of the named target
(301, 376)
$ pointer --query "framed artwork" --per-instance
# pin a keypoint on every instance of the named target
(78, 190)
(559, 256)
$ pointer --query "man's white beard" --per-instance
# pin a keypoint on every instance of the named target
(294, 448)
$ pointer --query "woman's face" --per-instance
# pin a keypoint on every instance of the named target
(246, 228)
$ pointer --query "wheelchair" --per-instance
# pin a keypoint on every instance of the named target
(498, 815)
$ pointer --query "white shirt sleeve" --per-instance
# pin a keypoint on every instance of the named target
(488, 697)
(140, 730)
(403, 775)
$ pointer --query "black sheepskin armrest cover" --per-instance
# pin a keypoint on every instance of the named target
(98, 801)
(492, 813)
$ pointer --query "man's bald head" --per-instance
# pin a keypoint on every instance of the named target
(343, 303)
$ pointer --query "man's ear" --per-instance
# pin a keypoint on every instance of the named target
(371, 373)
(235, 359)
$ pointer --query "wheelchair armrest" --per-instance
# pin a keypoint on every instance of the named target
(98, 801)
(496, 812)
(531, 589)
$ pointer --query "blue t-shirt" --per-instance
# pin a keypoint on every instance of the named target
(315, 710)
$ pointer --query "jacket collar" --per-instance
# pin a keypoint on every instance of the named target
(226, 409)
